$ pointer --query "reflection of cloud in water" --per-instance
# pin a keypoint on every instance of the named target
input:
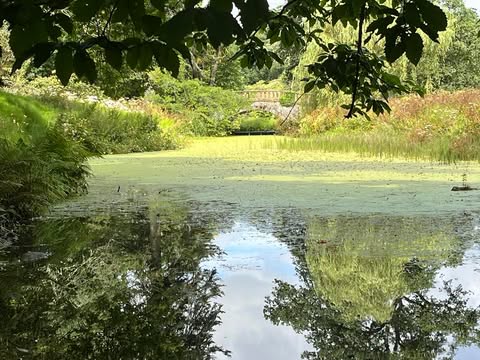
(467, 276)
(244, 331)
(252, 261)
(247, 248)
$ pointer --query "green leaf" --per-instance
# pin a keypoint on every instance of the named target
(151, 24)
(136, 10)
(113, 56)
(84, 66)
(253, 13)
(64, 64)
(65, 22)
(309, 86)
(276, 57)
(222, 5)
(380, 25)
(391, 79)
(85, 10)
(412, 15)
(24, 37)
(145, 55)
(54, 31)
(433, 15)
(133, 54)
(167, 59)
(42, 52)
(220, 29)
(414, 48)
(121, 13)
(158, 4)
(393, 49)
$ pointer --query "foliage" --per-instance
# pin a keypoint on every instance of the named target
(33, 175)
(421, 326)
(441, 127)
(112, 131)
(365, 290)
(205, 110)
(49, 86)
(135, 290)
(104, 126)
(448, 64)
(288, 99)
(258, 120)
(164, 31)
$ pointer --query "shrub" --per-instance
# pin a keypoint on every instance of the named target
(36, 174)
(204, 110)
(38, 163)
(288, 99)
(258, 121)
(110, 131)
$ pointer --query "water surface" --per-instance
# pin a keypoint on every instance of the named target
(249, 253)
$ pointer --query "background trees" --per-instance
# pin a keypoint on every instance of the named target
(137, 32)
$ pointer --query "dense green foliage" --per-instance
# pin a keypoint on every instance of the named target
(205, 110)
(44, 146)
(258, 120)
(138, 32)
(39, 164)
(122, 287)
(112, 131)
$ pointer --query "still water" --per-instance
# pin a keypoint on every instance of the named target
(176, 279)
(210, 255)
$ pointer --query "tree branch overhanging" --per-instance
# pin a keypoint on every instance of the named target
(358, 60)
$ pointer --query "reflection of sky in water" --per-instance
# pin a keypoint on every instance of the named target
(251, 262)
(253, 259)
(468, 276)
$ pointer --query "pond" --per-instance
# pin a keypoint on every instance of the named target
(232, 247)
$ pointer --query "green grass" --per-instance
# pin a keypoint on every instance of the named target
(24, 118)
(45, 144)
(441, 127)
(381, 145)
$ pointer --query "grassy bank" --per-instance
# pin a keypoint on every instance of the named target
(440, 127)
(45, 144)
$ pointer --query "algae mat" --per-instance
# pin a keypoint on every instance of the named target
(252, 172)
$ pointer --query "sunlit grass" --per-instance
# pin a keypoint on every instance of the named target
(382, 146)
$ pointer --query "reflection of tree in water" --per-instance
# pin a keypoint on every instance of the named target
(136, 291)
(361, 296)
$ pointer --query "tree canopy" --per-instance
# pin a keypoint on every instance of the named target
(138, 32)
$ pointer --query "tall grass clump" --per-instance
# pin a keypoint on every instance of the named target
(39, 165)
(440, 127)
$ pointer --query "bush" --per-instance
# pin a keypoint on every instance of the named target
(288, 99)
(258, 121)
(204, 110)
(33, 175)
(111, 131)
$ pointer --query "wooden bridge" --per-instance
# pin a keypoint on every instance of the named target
(272, 96)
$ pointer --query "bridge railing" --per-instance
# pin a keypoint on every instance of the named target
(266, 95)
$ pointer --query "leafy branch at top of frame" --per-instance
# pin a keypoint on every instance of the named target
(161, 31)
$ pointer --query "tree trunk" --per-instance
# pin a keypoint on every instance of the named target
(196, 71)
(214, 69)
